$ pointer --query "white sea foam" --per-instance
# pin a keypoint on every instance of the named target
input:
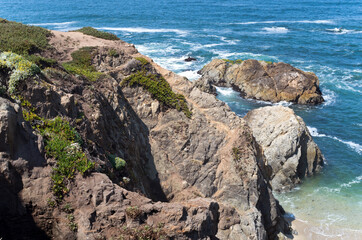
(191, 75)
(329, 97)
(274, 30)
(145, 30)
(354, 181)
(226, 91)
(355, 146)
(301, 21)
(342, 31)
(53, 24)
(283, 103)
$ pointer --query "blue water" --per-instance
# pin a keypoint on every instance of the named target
(303, 33)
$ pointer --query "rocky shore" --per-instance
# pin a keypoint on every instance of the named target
(262, 80)
(102, 143)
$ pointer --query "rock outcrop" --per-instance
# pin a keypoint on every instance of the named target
(199, 176)
(260, 80)
(289, 150)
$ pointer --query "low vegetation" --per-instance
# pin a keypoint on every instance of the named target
(237, 61)
(159, 88)
(98, 34)
(63, 143)
(117, 162)
(19, 67)
(22, 39)
(82, 64)
(145, 232)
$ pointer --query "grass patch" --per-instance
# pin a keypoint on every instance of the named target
(237, 61)
(113, 53)
(142, 60)
(22, 39)
(98, 34)
(63, 143)
(82, 64)
(159, 89)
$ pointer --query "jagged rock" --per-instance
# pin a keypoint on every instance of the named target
(289, 150)
(272, 82)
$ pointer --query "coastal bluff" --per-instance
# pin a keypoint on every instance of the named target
(99, 142)
(273, 82)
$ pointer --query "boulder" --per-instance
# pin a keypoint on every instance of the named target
(260, 80)
(289, 151)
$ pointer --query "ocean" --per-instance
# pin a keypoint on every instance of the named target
(324, 37)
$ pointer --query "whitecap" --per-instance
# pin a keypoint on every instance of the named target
(329, 97)
(225, 91)
(283, 103)
(145, 30)
(354, 181)
(314, 132)
(191, 75)
(274, 30)
(355, 146)
(53, 24)
(301, 21)
(342, 31)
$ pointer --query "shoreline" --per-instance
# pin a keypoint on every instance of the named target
(302, 230)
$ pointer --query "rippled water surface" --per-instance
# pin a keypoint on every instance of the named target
(320, 36)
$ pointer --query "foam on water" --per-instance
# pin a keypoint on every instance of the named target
(329, 97)
(301, 21)
(226, 91)
(355, 146)
(53, 24)
(275, 30)
(191, 75)
(145, 30)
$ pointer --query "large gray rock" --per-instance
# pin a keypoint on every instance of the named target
(289, 150)
(272, 82)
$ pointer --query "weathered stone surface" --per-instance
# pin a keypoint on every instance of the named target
(289, 150)
(203, 177)
(272, 82)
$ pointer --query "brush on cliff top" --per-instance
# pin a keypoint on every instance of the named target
(96, 33)
(22, 39)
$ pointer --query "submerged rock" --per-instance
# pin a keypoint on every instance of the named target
(260, 80)
(289, 150)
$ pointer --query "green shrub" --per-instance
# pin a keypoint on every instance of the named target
(113, 53)
(142, 60)
(133, 212)
(41, 61)
(22, 39)
(117, 162)
(82, 64)
(96, 33)
(159, 89)
(63, 143)
(20, 69)
(237, 61)
(145, 232)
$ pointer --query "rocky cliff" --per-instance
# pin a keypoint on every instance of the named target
(261, 80)
(105, 143)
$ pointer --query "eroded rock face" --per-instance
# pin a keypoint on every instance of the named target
(272, 82)
(206, 175)
(289, 150)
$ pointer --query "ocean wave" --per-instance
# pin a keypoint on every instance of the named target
(329, 97)
(225, 91)
(145, 30)
(191, 75)
(342, 31)
(354, 181)
(355, 146)
(53, 24)
(275, 30)
(301, 21)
